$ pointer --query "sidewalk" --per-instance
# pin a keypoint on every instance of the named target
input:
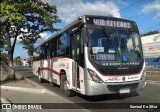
(20, 92)
(20, 97)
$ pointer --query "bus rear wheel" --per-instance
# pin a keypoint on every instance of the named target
(64, 86)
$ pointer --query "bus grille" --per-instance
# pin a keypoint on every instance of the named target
(116, 88)
(119, 72)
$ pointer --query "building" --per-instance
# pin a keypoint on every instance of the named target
(24, 62)
(151, 49)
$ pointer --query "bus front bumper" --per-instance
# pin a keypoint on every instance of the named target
(94, 88)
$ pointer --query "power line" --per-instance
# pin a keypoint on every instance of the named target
(150, 28)
(123, 10)
(153, 27)
(134, 5)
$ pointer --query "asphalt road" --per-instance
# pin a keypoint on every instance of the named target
(151, 94)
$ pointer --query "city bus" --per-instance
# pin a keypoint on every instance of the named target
(93, 55)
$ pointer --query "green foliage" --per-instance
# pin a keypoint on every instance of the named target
(28, 44)
(25, 18)
(3, 61)
(2, 43)
(150, 33)
(25, 13)
(18, 60)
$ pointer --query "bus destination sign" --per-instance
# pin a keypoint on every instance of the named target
(109, 22)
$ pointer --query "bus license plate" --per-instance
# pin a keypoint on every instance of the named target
(124, 90)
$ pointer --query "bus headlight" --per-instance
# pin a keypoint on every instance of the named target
(143, 74)
(94, 76)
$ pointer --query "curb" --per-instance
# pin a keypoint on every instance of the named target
(31, 82)
(36, 91)
(46, 90)
(3, 100)
(50, 92)
(22, 89)
(28, 90)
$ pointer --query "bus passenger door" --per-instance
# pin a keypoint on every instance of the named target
(75, 55)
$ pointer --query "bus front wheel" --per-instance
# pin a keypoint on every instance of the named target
(64, 86)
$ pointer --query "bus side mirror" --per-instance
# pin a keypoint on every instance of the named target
(84, 34)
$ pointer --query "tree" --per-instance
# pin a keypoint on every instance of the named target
(18, 60)
(2, 43)
(150, 33)
(25, 18)
(28, 44)
(3, 61)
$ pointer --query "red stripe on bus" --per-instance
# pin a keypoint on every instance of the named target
(51, 70)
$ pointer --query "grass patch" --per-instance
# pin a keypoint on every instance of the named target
(153, 76)
(5, 72)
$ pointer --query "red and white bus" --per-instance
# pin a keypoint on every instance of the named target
(93, 55)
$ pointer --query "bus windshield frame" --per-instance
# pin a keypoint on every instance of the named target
(113, 44)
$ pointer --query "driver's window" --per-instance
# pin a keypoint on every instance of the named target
(130, 44)
(137, 45)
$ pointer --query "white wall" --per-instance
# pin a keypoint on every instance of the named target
(151, 45)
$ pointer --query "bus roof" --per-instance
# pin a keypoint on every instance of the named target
(81, 19)
(62, 30)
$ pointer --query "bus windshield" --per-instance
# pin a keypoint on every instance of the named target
(113, 45)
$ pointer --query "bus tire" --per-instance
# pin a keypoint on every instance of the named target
(64, 86)
(41, 80)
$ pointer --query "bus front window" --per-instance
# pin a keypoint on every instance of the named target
(112, 45)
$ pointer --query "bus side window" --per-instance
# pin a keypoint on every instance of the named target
(46, 51)
(42, 52)
(36, 54)
(63, 45)
(53, 48)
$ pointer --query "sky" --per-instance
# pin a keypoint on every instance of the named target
(146, 13)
